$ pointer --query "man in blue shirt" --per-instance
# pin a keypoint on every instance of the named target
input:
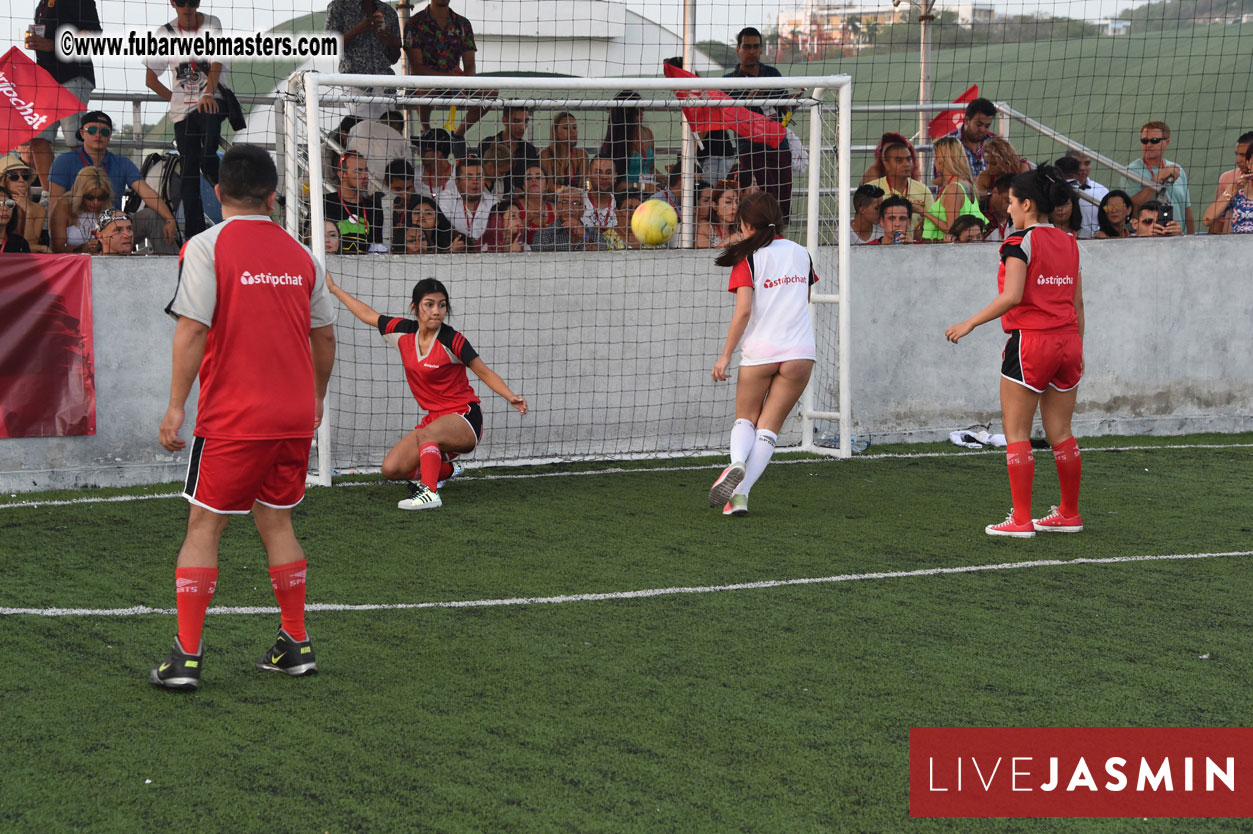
(95, 133)
(1170, 180)
(771, 167)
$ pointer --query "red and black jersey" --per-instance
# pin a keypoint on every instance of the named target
(438, 377)
(1048, 297)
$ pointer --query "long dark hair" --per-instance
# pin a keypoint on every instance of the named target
(1045, 187)
(1102, 219)
(429, 286)
(1075, 223)
(443, 235)
(624, 123)
(11, 227)
(762, 214)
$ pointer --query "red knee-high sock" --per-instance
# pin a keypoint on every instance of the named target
(1021, 464)
(429, 459)
(1069, 473)
(195, 587)
(288, 582)
(445, 469)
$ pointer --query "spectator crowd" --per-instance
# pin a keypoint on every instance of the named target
(437, 193)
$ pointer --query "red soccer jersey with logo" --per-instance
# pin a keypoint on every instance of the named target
(438, 377)
(260, 292)
(1048, 297)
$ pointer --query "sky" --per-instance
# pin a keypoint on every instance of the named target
(714, 21)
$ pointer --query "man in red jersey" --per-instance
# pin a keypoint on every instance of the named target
(255, 323)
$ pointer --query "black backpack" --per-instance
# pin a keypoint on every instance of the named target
(163, 173)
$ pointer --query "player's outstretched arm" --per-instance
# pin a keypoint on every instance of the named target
(1015, 282)
(357, 307)
(493, 381)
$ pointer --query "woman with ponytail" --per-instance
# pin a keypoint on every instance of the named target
(1041, 308)
(770, 277)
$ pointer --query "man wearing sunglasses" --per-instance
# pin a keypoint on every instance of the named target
(95, 134)
(79, 77)
(1171, 182)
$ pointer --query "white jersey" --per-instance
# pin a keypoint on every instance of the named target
(779, 328)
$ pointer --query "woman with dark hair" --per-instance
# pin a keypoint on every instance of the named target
(537, 212)
(878, 170)
(10, 239)
(771, 277)
(723, 227)
(437, 233)
(1112, 215)
(1067, 217)
(435, 358)
(630, 144)
(1041, 308)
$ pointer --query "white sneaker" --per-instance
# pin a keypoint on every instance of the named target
(720, 492)
(423, 498)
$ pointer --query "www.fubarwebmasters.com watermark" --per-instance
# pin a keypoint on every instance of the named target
(222, 46)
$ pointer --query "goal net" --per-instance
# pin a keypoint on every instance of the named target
(610, 341)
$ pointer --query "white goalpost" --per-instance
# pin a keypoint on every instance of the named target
(612, 349)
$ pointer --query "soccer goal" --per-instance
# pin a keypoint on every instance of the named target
(612, 349)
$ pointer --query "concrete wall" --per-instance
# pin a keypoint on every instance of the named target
(613, 352)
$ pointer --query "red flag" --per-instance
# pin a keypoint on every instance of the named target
(47, 381)
(949, 120)
(30, 100)
(740, 120)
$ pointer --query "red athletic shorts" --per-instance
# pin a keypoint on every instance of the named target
(1037, 359)
(228, 476)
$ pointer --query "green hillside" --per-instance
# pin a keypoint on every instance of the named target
(1097, 90)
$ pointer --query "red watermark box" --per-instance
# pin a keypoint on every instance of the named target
(1081, 771)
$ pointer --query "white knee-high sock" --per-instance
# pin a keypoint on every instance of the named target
(763, 448)
(743, 436)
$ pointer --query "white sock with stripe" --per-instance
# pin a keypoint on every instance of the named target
(763, 449)
(743, 436)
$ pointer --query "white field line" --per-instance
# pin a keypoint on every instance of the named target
(617, 470)
(617, 595)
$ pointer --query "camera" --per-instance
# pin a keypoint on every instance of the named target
(1165, 215)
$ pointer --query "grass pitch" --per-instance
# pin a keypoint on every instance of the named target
(780, 708)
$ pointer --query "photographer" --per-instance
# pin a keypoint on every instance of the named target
(1154, 219)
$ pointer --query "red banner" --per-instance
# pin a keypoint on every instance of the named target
(949, 120)
(739, 120)
(47, 382)
(30, 100)
(1081, 771)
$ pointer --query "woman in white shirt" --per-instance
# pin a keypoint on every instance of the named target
(770, 277)
(196, 107)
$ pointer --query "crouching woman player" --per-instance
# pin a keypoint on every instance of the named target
(435, 358)
(770, 277)
(1041, 308)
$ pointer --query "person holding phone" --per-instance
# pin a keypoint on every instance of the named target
(1154, 219)
(1170, 181)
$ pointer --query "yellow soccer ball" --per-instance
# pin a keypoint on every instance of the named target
(654, 222)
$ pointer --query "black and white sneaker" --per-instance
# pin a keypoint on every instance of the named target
(289, 656)
(180, 671)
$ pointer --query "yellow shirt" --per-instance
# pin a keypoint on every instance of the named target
(916, 192)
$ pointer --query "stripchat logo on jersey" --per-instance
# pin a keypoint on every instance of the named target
(779, 282)
(270, 278)
(1056, 280)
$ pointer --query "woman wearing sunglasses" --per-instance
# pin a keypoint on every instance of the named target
(16, 178)
(196, 107)
(74, 217)
(10, 239)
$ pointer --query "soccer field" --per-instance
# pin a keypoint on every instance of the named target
(595, 649)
